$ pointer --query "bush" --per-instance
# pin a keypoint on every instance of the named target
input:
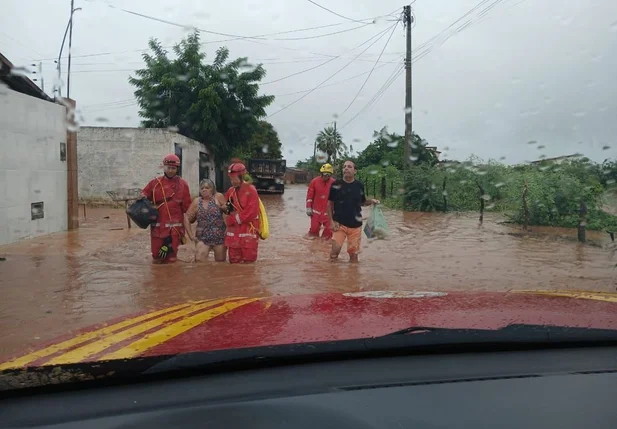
(554, 192)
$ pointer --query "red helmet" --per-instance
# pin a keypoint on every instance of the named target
(236, 169)
(172, 160)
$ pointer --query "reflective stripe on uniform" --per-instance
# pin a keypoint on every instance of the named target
(169, 225)
(241, 235)
(247, 235)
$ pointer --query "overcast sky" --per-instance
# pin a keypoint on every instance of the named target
(525, 70)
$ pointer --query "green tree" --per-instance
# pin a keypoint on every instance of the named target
(387, 149)
(218, 104)
(330, 142)
(264, 144)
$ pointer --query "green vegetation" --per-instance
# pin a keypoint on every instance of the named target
(218, 103)
(554, 191)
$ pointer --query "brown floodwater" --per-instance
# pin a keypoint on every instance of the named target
(55, 284)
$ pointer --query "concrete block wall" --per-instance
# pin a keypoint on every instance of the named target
(31, 170)
(117, 158)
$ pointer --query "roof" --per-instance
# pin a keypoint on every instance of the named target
(19, 83)
(557, 158)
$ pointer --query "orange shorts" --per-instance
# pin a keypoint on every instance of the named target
(353, 236)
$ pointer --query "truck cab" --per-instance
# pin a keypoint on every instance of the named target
(268, 174)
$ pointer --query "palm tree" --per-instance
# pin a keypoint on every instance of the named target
(331, 143)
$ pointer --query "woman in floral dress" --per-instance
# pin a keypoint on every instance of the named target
(210, 231)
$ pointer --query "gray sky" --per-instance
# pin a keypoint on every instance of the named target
(525, 70)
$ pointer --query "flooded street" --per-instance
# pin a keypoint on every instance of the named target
(55, 284)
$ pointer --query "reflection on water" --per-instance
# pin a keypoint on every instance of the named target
(67, 281)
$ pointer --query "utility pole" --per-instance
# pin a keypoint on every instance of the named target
(69, 25)
(68, 77)
(335, 145)
(408, 19)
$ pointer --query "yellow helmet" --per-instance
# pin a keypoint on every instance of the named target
(326, 168)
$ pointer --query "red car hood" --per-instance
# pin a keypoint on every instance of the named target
(238, 322)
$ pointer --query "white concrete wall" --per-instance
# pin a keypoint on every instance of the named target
(31, 131)
(122, 158)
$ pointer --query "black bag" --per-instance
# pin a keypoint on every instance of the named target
(143, 213)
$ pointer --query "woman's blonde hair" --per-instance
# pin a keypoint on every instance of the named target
(209, 183)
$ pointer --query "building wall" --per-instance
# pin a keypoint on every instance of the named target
(122, 158)
(31, 171)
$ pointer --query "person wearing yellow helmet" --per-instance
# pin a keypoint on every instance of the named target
(317, 202)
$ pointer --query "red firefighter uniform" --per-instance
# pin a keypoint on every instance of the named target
(242, 237)
(172, 198)
(317, 201)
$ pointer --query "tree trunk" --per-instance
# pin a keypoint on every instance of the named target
(582, 221)
(525, 207)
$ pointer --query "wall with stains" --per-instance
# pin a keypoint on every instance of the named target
(32, 132)
(111, 159)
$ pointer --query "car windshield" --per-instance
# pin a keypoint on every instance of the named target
(182, 178)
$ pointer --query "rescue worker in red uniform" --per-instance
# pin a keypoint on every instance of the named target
(171, 196)
(242, 221)
(317, 202)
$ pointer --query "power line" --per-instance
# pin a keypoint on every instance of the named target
(335, 73)
(333, 83)
(393, 76)
(235, 36)
(380, 34)
(332, 12)
(374, 65)
(428, 48)
(253, 39)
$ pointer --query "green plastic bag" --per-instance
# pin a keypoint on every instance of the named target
(376, 225)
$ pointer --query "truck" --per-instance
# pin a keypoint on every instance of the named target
(268, 174)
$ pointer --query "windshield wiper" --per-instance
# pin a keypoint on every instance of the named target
(511, 334)
(408, 340)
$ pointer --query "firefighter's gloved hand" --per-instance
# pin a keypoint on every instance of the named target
(309, 212)
(166, 248)
(230, 207)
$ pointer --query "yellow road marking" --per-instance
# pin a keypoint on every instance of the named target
(31, 357)
(598, 296)
(90, 349)
(138, 347)
(75, 341)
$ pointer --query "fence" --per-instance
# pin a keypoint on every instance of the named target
(380, 187)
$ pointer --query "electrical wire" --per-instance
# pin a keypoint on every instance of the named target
(380, 34)
(332, 12)
(428, 48)
(391, 79)
(374, 65)
(335, 73)
(338, 82)
(235, 36)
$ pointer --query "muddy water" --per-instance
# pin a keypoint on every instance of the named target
(67, 281)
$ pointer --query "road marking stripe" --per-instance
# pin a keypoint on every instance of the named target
(87, 336)
(87, 350)
(162, 335)
(597, 296)
(55, 348)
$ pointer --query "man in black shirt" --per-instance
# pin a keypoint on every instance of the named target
(345, 212)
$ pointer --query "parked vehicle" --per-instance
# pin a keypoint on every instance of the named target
(268, 174)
